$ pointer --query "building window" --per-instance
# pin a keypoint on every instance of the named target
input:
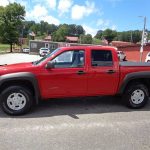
(47, 45)
(33, 45)
(53, 46)
(101, 58)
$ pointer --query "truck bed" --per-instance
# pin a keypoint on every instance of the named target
(136, 64)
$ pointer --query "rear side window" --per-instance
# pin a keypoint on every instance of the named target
(101, 58)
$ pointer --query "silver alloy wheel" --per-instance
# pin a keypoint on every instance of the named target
(16, 101)
(137, 96)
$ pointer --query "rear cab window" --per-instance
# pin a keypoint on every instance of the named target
(101, 58)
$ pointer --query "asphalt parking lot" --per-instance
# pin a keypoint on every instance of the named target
(75, 124)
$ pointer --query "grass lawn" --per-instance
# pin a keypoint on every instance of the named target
(4, 48)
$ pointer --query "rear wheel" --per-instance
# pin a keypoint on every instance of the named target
(136, 96)
(16, 100)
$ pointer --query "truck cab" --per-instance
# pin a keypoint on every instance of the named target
(80, 71)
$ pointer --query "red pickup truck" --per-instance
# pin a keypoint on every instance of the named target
(73, 72)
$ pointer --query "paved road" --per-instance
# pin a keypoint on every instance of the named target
(77, 124)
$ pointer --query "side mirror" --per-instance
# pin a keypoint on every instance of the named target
(50, 65)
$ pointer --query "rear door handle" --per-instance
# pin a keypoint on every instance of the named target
(80, 72)
(111, 71)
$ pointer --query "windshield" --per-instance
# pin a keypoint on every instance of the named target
(45, 57)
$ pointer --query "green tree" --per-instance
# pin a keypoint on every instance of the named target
(80, 30)
(27, 26)
(43, 27)
(61, 33)
(72, 30)
(126, 36)
(86, 39)
(129, 36)
(52, 28)
(11, 18)
(99, 34)
(109, 35)
(96, 41)
(136, 36)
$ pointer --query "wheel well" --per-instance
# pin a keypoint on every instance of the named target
(144, 81)
(23, 83)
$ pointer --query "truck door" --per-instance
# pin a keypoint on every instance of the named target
(103, 72)
(68, 77)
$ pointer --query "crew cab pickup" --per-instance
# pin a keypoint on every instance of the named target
(73, 72)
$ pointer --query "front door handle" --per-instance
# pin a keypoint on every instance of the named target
(111, 71)
(80, 72)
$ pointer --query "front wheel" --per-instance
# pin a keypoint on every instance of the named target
(16, 100)
(136, 96)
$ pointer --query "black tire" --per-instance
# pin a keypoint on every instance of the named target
(136, 95)
(9, 100)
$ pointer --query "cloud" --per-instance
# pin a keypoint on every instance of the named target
(5, 2)
(51, 3)
(50, 20)
(22, 3)
(102, 22)
(64, 6)
(37, 12)
(80, 11)
(114, 27)
(90, 30)
(43, 15)
(114, 2)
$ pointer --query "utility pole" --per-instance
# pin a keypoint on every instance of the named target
(131, 40)
(142, 41)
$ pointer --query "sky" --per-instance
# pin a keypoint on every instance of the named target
(93, 15)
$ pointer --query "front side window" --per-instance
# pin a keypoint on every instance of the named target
(69, 59)
(101, 58)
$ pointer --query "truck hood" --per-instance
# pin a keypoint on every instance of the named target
(14, 67)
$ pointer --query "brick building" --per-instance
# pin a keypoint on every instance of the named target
(131, 50)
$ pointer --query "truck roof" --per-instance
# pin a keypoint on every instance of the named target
(91, 47)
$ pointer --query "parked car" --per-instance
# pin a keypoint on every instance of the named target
(73, 72)
(147, 57)
(26, 50)
(44, 51)
(121, 55)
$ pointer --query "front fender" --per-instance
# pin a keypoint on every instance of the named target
(22, 76)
